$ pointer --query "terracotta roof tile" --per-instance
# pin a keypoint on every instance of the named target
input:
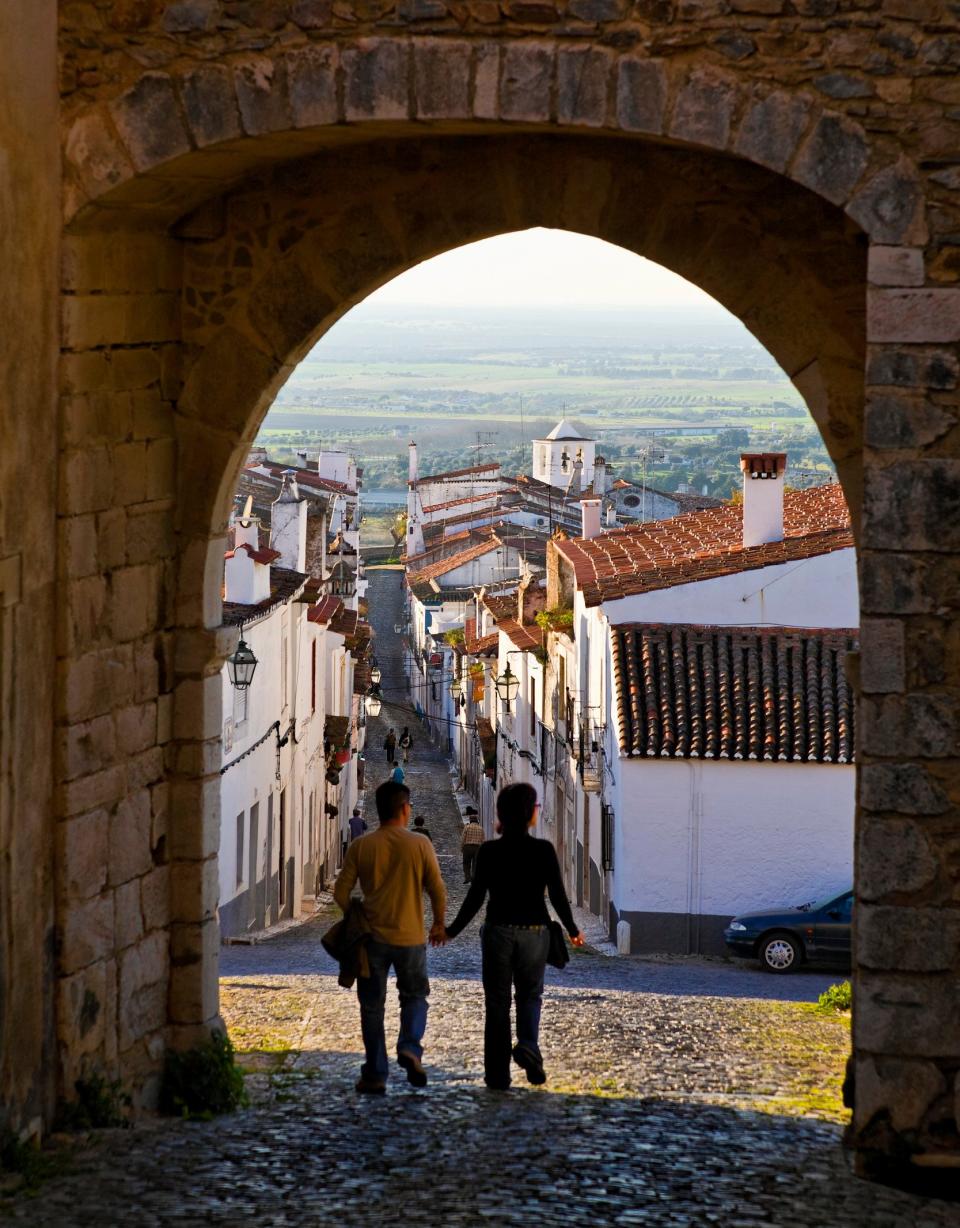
(702, 545)
(456, 473)
(693, 692)
(429, 508)
(324, 610)
(441, 568)
(264, 555)
(284, 585)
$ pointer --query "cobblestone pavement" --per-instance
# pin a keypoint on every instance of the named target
(679, 1093)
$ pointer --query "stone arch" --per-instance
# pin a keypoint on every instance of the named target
(166, 170)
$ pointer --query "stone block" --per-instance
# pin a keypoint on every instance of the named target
(86, 481)
(833, 158)
(87, 792)
(194, 990)
(86, 934)
(83, 614)
(81, 1017)
(194, 823)
(703, 111)
(907, 939)
(210, 104)
(312, 85)
(918, 317)
(135, 601)
(90, 371)
(198, 708)
(312, 14)
(583, 86)
(150, 533)
(77, 553)
(902, 422)
(130, 829)
(136, 728)
(155, 898)
(95, 154)
(161, 461)
(129, 920)
(151, 415)
(82, 856)
(112, 537)
(907, 1016)
(901, 1089)
(914, 505)
(895, 266)
(198, 652)
(194, 890)
(146, 769)
(442, 75)
(288, 305)
(882, 655)
(641, 95)
(771, 130)
(261, 85)
(890, 207)
(134, 369)
(129, 473)
(901, 788)
(526, 82)
(893, 583)
(597, 10)
(486, 81)
(160, 820)
(86, 747)
(376, 80)
(143, 978)
(148, 119)
(191, 16)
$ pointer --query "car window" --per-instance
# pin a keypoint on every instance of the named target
(834, 901)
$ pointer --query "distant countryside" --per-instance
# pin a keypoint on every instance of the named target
(673, 396)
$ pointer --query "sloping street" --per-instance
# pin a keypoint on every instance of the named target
(680, 1092)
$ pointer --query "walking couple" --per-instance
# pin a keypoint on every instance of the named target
(394, 867)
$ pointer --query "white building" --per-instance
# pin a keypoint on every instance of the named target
(288, 772)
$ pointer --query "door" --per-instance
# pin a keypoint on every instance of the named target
(254, 890)
(271, 884)
(282, 853)
(831, 929)
(585, 882)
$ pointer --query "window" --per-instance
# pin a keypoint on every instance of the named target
(241, 849)
(241, 702)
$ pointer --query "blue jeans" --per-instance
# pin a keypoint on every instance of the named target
(410, 965)
(513, 958)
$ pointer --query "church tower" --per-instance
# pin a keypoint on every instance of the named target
(554, 458)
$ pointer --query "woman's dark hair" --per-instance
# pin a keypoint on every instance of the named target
(390, 797)
(515, 806)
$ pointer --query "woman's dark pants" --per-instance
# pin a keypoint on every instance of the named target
(514, 957)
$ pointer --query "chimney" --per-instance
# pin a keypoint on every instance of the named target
(288, 524)
(763, 479)
(600, 476)
(522, 587)
(612, 516)
(246, 580)
(412, 461)
(590, 511)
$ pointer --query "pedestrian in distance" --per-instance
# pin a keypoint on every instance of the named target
(393, 869)
(406, 743)
(419, 828)
(357, 824)
(397, 775)
(471, 838)
(515, 871)
(390, 746)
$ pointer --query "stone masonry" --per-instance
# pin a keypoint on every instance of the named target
(238, 173)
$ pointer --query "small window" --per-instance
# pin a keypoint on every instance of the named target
(241, 702)
(631, 500)
(241, 848)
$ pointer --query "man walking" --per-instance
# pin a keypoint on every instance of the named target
(390, 746)
(470, 840)
(406, 743)
(394, 868)
(357, 824)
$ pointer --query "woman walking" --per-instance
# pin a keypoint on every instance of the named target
(516, 870)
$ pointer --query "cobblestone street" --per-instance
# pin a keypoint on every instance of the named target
(680, 1092)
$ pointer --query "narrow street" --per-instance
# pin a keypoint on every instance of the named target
(679, 1092)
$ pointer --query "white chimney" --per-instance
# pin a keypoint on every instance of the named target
(288, 524)
(412, 461)
(763, 480)
(612, 516)
(246, 573)
(600, 476)
(590, 511)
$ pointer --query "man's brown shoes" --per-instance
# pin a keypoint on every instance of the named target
(416, 1075)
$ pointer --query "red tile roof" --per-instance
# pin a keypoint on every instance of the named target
(456, 473)
(324, 610)
(439, 507)
(264, 555)
(525, 637)
(305, 477)
(443, 566)
(478, 645)
(734, 692)
(702, 545)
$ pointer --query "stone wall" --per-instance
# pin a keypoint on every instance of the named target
(237, 174)
(29, 239)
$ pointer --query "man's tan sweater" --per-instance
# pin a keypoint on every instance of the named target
(394, 868)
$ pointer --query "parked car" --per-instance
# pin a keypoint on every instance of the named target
(784, 938)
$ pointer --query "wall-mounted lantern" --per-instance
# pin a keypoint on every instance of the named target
(375, 674)
(241, 665)
(373, 701)
(508, 685)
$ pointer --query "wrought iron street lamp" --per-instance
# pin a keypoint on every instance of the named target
(241, 665)
(373, 701)
(375, 674)
(507, 684)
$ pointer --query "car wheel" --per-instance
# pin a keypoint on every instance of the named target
(780, 953)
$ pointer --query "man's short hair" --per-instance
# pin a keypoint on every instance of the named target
(515, 806)
(391, 797)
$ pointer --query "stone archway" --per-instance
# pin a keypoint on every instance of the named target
(224, 213)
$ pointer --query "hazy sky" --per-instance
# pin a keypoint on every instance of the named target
(541, 268)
